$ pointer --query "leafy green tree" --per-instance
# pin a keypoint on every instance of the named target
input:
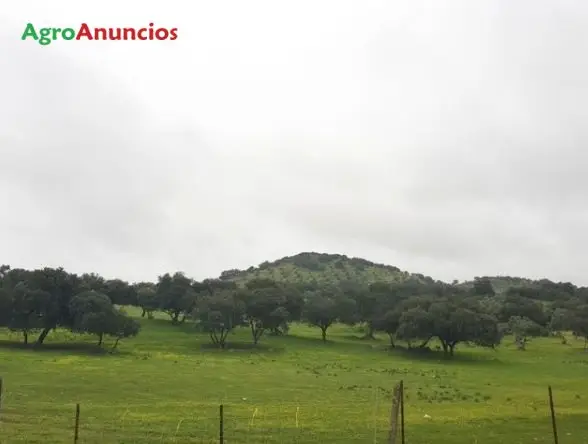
(53, 311)
(579, 323)
(147, 300)
(212, 286)
(523, 329)
(322, 309)
(5, 307)
(524, 307)
(451, 319)
(92, 312)
(415, 323)
(294, 302)
(368, 303)
(176, 296)
(24, 315)
(261, 283)
(92, 282)
(120, 292)
(264, 309)
(487, 331)
(483, 287)
(122, 326)
(219, 314)
(287, 310)
(388, 322)
(561, 321)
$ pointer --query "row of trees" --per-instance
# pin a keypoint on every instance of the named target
(39, 301)
(413, 311)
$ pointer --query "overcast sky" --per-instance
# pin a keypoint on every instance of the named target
(444, 137)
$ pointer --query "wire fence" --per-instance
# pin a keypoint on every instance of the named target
(383, 422)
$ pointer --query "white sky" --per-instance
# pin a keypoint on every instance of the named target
(446, 138)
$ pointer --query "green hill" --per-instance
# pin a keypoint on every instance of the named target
(323, 269)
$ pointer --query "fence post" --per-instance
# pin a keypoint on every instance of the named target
(402, 412)
(394, 416)
(77, 424)
(221, 426)
(552, 408)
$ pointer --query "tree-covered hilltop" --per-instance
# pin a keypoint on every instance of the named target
(501, 284)
(317, 289)
(323, 269)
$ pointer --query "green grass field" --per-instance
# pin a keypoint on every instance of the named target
(165, 386)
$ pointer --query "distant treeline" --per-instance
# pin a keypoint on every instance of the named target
(414, 311)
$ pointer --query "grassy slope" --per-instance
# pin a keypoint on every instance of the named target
(163, 388)
(325, 269)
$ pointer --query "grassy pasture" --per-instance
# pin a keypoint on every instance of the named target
(165, 386)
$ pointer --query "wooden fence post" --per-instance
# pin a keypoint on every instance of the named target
(394, 415)
(221, 426)
(77, 424)
(402, 412)
(552, 408)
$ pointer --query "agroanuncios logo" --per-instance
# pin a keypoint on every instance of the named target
(44, 36)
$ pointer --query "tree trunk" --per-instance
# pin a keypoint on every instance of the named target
(445, 347)
(520, 341)
(42, 336)
(253, 332)
(26, 337)
(392, 345)
(223, 338)
(143, 313)
(324, 333)
(115, 344)
(100, 338)
(370, 333)
(424, 343)
(451, 349)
